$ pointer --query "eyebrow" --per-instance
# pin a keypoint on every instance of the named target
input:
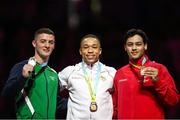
(135, 42)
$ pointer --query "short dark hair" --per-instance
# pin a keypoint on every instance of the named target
(132, 32)
(90, 36)
(43, 30)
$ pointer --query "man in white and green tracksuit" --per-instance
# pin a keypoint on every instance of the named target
(33, 84)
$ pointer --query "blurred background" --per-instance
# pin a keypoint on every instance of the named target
(72, 19)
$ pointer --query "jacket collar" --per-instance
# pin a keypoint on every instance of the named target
(94, 66)
(140, 62)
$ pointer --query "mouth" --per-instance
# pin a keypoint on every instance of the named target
(90, 56)
(134, 53)
(46, 50)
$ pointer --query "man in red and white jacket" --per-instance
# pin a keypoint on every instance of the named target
(143, 87)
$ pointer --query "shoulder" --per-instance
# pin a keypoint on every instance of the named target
(69, 69)
(20, 65)
(162, 68)
(123, 68)
(17, 69)
(51, 69)
(109, 69)
(158, 65)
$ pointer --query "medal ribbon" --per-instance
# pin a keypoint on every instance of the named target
(88, 80)
(139, 66)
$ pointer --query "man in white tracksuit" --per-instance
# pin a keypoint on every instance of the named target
(89, 84)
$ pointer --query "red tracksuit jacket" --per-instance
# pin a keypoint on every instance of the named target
(135, 99)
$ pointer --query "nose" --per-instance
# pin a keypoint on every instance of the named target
(47, 44)
(134, 47)
(90, 49)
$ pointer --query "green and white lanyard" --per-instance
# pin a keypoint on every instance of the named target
(88, 79)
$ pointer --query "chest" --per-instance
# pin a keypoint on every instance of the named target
(78, 81)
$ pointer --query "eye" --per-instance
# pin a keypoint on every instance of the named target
(94, 46)
(85, 47)
(42, 41)
(129, 44)
(139, 43)
(51, 42)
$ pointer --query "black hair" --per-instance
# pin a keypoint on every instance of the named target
(132, 32)
(91, 36)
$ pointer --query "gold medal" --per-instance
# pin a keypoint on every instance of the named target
(93, 107)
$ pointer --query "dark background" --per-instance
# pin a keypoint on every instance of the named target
(72, 19)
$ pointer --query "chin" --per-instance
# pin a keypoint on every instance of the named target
(90, 62)
(45, 56)
(135, 58)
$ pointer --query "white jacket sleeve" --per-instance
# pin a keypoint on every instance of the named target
(64, 76)
(111, 71)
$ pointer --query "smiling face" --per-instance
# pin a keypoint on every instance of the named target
(44, 44)
(135, 47)
(90, 50)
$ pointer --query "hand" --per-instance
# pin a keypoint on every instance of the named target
(27, 70)
(150, 72)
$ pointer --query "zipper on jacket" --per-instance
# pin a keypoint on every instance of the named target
(47, 110)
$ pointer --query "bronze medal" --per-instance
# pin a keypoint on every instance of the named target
(93, 107)
(142, 72)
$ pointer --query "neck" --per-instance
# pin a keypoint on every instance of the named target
(40, 60)
(90, 64)
(139, 61)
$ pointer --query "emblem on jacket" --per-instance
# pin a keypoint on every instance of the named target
(52, 78)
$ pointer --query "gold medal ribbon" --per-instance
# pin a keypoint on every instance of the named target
(139, 66)
(88, 79)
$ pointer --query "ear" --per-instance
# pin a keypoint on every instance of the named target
(145, 46)
(125, 48)
(100, 51)
(80, 51)
(34, 43)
